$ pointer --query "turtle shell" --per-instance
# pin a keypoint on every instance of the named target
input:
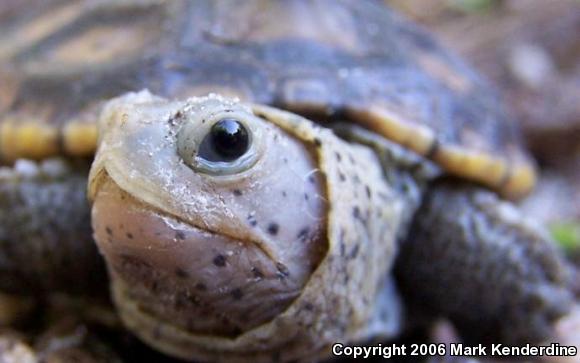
(353, 60)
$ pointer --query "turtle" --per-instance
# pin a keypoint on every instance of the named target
(265, 179)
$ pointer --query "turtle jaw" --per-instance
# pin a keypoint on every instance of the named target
(183, 276)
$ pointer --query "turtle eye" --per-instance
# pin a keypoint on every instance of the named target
(222, 143)
(227, 140)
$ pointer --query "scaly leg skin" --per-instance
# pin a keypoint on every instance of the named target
(45, 233)
(477, 260)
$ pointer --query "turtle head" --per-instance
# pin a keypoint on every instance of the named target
(211, 219)
(232, 230)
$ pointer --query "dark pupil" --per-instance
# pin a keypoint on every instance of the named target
(227, 141)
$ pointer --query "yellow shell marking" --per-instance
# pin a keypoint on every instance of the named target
(415, 137)
(80, 139)
(511, 178)
(33, 140)
(27, 140)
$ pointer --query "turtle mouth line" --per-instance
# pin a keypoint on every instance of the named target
(174, 219)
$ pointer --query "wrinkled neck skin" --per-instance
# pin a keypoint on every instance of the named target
(406, 172)
(288, 245)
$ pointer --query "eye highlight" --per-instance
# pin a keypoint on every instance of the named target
(228, 140)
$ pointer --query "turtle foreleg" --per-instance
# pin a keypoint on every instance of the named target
(477, 260)
(45, 233)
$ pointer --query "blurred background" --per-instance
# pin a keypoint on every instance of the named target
(530, 50)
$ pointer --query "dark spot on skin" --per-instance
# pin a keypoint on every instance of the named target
(109, 231)
(356, 212)
(129, 235)
(351, 158)
(219, 260)
(306, 197)
(341, 177)
(257, 273)
(237, 192)
(180, 235)
(433, 149)
(200, 286)
(341, 239)
(252, 220)
(178, 114)
(237, 294)
(284, 194)
(368, 190)
(283, 271)
(273, 228)
(181, 273)
(308, 306)
(311, 178)
(285, 160)
(303, 234)
(354, 251)
(338, 157)
(342, 249)
(317, 142)
(406, 188)
(356, 179)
